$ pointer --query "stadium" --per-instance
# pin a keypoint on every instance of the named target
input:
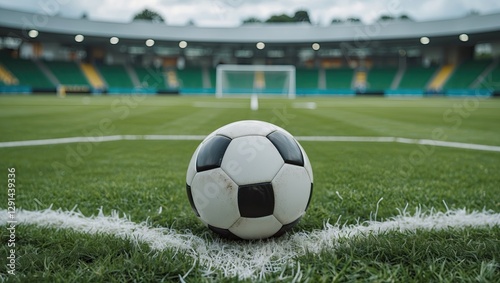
(100, 119)
(450, 57)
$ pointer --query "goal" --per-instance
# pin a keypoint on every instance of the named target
(262, 80)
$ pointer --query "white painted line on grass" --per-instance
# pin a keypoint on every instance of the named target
(305, 105)
(100, 139)
(400, 140)
(344, 139)
(201, 137)
(251, 260)
(238, 105)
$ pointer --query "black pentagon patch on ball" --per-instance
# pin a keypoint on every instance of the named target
(256, 200)
(287, 147)
(286, 228)
(211, 153)
(190, 197)
(224, 233)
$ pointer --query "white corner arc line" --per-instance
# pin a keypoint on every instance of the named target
(251, 260)
(470, 146)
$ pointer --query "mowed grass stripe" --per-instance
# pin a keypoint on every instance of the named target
(448, 124)
(74, 116)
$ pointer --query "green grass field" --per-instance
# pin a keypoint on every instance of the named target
(145, 179)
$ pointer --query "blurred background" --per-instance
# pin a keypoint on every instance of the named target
(439, 47)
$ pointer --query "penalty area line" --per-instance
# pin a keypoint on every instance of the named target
(461, 145)
(251, 260)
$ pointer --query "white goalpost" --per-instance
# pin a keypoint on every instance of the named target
(261, 80)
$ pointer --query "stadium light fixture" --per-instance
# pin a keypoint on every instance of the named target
(33, 33)
(425, 40)
(183, 44)
(114, 40)
(315, 46)
(150, 42)
(463, 37)
(260, 45)
(79, 38)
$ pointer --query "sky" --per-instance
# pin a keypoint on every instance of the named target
(227, 13)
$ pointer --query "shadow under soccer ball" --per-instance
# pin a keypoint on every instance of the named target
(249, 180)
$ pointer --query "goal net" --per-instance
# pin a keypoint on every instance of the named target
(259, 80)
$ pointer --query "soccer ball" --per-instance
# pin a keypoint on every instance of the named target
(249, 180)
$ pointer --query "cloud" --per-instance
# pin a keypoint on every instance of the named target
(232, 12)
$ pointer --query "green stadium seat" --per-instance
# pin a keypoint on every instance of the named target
(115, 76)
(380, 78)
(416, 77)
(68, 73)
(466, 74)
(492, 80)
(339, 78)
(213, 77)
(150, 77)
(27, 72)
(307, 78)
(190, 78)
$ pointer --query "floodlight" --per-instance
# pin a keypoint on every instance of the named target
(114, 40)
(79, 38)
(425, 40)
(33, 33)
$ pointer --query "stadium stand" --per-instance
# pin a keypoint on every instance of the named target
(92, 76)
(68, 73)
(190, 78)
(53, 56)
(416, 77)
(340, 78)
(172, 81)
(466, 74)
(115, 76)
(6, 78)
(307, 79)
(149, 77)
(443, 74)
(380, 79)
(360, 80)
(492, 80)
(27, 73)
(212, 76)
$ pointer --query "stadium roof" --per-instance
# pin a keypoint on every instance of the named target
(18, 23)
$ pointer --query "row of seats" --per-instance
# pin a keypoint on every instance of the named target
(417, 77)
(492, 80)
(466, 74)
(68, 73)
(28, 72)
